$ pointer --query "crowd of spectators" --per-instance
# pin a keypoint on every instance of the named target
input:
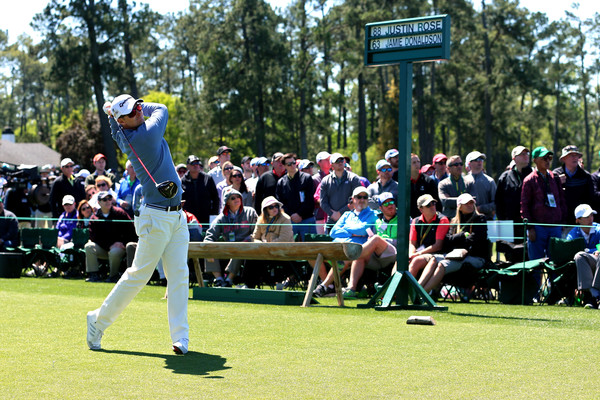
(450, 202)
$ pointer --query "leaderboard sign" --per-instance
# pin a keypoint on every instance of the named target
(416, 39)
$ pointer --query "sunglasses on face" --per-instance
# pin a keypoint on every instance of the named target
(234, 197)
(548, 158)
(478, 159)
(385, 170)
(264, 165)
(361, 197)
(339, 161)
(227, 168)
(458, 164)
(109, 198)
(195, 163)
(289, 164)
(272, 206)
(388, 203)
(133, 112)
(236, 176)
(69, 166)
(86, 208)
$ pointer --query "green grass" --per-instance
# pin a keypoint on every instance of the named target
(476, 350)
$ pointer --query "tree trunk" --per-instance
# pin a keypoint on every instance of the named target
(109, 146)
(130, 75)
(487, 97)
(362, 125)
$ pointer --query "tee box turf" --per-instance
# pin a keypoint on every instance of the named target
(256, 296)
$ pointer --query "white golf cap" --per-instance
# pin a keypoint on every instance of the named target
(518, 150)
(335, 156)
(68, 199)
(474, 155)
(322, 156)
(391, 153)
(66, 161)
(358, 190)
(584, 210)
(464, 199)
(123, 104)
(381, 163)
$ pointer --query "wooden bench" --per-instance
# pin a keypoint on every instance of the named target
(318, 251)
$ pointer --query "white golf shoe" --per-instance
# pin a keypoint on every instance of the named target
(94, 334)
(181, 346)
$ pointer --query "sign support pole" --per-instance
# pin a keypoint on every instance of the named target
(404, 42)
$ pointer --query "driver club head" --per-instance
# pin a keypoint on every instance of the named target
(167, 189)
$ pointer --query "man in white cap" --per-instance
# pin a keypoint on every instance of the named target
(336, 189)
(324, 168)
(383, 184)
(587, 261)
(485, 186)
(356, 226)
(160, 222)
(576, 182)
(63, 185)
(391, 156)
(508, 192)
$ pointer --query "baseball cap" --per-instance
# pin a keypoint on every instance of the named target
(246, 158)
(223, 149)
(66, 161)
(381, 163)
(464, 199)
(122, 105)
(84, 173)
(276, 157)
(191, 158)
(518, 150)
(68, 199)
(336, 156)
(262, 160)
(358, 190)
(391, 153)
(103, 195)
(540, 152)
(322, 156)
(584, 210)
(474, 155)
(213, 159)
(426, 168)
(98, 157)
(569, 150)
(383, 197)
(180, 166)
(440, 157)
(305, 164)
(425, 200)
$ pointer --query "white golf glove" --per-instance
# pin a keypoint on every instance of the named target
(107, 108)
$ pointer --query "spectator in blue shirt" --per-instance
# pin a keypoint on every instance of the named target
(587, 261)
(354, 226)
(126, 189)
(67, 221)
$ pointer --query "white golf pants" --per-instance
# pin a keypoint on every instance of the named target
(161, 235)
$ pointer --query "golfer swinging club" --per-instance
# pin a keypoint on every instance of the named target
(160, 225)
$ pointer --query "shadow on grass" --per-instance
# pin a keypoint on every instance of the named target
(502, 317)
(193, 363)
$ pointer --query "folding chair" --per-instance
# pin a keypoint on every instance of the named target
(74, 257)
(562, 272)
